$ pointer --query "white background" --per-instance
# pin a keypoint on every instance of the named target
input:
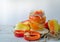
(14, 11)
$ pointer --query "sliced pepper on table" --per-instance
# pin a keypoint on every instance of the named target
(32, 35)
(53, 26)
(20, 29)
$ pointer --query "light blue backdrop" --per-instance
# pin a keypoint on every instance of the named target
(14, 11)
